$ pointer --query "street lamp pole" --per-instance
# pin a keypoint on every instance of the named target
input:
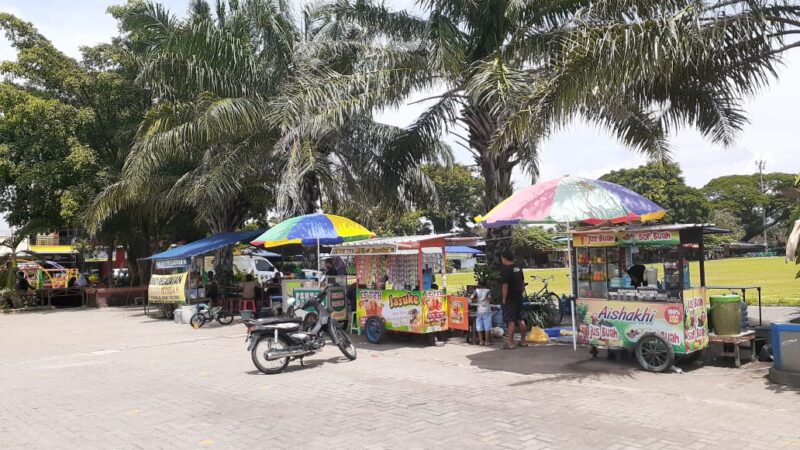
(761, 164)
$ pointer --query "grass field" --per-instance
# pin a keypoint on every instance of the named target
(775, 277)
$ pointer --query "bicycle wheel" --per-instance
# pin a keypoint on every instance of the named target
(224, 318)
(555, 301)
(197, 320)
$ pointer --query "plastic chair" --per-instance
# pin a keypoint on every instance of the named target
(245, 305)
(354, 324)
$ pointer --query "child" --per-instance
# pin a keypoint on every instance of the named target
(483, 319)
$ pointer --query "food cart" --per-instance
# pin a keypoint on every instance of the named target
(396, 283)
(662, 321)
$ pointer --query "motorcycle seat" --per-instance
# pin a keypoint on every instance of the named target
(273, 320)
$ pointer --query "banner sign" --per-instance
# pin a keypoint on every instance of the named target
(408, 311)
(459, 313)
(167, 288)
(644, 237)
(638, 237)
(383, 250)
(176, 263)
(595, 240)
(612, 323)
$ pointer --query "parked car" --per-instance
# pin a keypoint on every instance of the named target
(257, 265)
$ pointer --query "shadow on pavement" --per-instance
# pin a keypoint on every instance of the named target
(309, 364)
(560, 361)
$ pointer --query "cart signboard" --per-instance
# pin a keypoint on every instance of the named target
(407, 311)
(595, 240)
(459, 313)
(335, 299)
(167, 288)
(611, 323)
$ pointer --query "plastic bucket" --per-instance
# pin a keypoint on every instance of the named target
(553, 332)
(726, 314)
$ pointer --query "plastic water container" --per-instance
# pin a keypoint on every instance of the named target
(726, 314)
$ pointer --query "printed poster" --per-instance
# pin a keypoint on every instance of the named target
(459, 313)
(616, 323)
(404, 310)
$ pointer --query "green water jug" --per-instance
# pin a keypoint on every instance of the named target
(726, 314)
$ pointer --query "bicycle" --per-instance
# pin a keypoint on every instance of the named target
(207, 314)
(544, 305)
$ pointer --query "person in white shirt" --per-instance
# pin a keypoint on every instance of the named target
(483, 319)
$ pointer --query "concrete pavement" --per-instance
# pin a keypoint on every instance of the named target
(111, 378)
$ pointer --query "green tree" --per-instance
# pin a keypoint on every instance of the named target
(741, 196)
(458, 190)
(217, 75)
(514, 72)
(526, 242)
(664, 185)
(65, 132)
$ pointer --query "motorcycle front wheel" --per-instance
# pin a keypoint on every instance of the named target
(345, 344)
(259, 355)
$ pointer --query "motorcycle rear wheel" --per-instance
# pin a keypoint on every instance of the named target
(259, 355)
(346, 346)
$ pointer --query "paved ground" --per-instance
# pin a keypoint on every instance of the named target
(113, 379)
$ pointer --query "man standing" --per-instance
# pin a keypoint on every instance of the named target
(513, 292)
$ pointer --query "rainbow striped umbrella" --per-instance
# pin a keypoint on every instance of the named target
(572, 199)
(313, 229)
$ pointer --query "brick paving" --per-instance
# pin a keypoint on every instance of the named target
(111, 378)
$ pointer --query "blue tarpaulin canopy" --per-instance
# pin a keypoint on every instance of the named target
(206, 245)
(459, 249)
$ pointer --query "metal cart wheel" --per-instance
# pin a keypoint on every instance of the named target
(374, 330)
(654, 353)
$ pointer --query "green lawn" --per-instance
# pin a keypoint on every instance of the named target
(776, 278)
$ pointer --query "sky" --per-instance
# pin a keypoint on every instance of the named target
(577, 150)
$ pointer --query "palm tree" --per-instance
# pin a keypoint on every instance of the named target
(513, 72)
(209, 144)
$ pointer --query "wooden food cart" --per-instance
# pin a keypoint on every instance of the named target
(396, 281)
(662, 321)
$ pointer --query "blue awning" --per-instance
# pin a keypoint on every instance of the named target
(462, 250)
(206, 245)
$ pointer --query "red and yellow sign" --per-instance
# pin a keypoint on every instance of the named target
(459, 313)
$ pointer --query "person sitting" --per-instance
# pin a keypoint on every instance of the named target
(249, 288)
(330, 269)
(636, 272)
(22, 283)
(73, 282)
(82, 281)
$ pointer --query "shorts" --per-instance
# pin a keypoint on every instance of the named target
(483, 321)
(512, 311)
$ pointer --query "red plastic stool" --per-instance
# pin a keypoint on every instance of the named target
(247, 305)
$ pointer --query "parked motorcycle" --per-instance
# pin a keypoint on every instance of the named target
(275, 341)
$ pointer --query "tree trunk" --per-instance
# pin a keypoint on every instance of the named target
(496, 169)
(310, 201)
(227, 219)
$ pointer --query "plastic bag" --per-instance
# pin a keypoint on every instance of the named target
(538, 336)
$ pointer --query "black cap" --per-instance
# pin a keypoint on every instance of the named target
(508, 255)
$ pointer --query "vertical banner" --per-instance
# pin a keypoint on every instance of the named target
(459, 312)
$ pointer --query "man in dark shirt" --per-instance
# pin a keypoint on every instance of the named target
(22, 283)
(513, 292)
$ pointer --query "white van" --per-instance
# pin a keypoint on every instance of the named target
(257, 265)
